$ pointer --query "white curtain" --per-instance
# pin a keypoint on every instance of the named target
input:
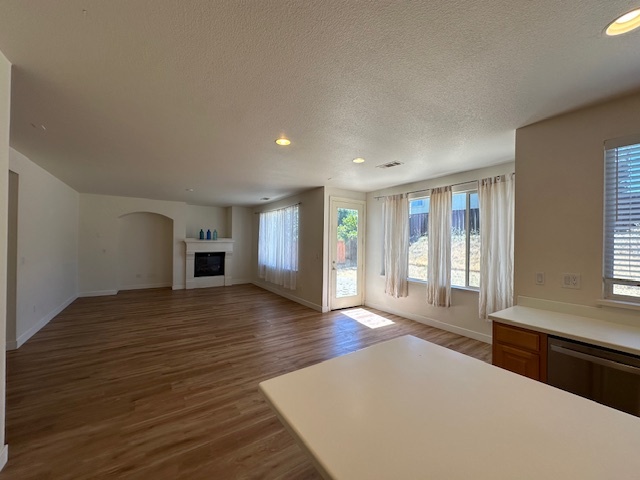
(278, 246)
(396, 245)
(439, 251)
(497, 204)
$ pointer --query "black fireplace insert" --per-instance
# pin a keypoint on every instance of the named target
(208, 264)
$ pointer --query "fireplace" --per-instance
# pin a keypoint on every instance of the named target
(208, 264)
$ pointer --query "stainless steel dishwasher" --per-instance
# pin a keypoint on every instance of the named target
(606, 376)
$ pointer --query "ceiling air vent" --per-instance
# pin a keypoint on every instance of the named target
(389, 165)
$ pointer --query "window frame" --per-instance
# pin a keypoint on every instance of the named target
(467, 191)
(411, 199)
(608, 280)
(467, 273)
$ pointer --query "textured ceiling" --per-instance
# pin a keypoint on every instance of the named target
(149, 98)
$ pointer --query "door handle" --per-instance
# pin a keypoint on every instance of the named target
(597, 360)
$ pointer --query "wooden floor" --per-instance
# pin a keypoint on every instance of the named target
(162, 384)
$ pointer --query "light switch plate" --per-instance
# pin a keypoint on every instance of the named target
(539, 278)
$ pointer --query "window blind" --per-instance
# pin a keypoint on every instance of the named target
(622, 215)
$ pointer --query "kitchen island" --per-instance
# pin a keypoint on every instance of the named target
(410, 409)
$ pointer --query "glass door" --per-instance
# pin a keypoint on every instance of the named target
(347, 253)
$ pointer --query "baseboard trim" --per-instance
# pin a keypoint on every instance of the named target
(21, 340)
(434, 323)
(145, 287)
(4, 456)
(178, 287)
(240, 281)
(98, 293)
(289, 296)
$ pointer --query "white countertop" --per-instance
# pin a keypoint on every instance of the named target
(410, 409)
(598, 332)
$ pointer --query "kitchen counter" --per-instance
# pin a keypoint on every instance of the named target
(616, 336)
(409, 409)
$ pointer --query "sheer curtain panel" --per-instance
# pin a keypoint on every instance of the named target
(439, 252)
(278, 246)
(396, 245)
(497, 202)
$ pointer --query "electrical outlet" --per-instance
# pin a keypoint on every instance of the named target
(539, 278)
(571, 280)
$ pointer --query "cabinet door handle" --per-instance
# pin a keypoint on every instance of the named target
(598, 360)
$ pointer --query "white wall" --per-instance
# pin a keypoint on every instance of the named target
(212, 218)
(462, 317)
(241, 226)
(145, 251)
(5, 100)
(47, 262)
(99, 234)
(559, 199)
(309, 285)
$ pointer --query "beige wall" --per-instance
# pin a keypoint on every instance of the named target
(311, 238)
(12, 259)
(145, 251)
(99, 237)
(462, 317)
(47, 247)
(5, 101)
(559, 198)
(241, 225)
(212, 218)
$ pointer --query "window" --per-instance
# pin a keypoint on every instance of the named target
(278, 246)
(622, 222)
(465, 239)
(418, 238)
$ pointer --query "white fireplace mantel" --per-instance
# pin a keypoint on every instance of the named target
(194, 245)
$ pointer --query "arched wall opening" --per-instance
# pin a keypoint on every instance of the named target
(145, 251)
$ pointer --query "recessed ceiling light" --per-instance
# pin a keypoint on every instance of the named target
(625, 23)
(358, 160)
(283, 141)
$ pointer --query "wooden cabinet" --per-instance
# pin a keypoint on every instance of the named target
(521, 351)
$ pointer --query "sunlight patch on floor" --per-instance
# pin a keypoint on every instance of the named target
(366, 318)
